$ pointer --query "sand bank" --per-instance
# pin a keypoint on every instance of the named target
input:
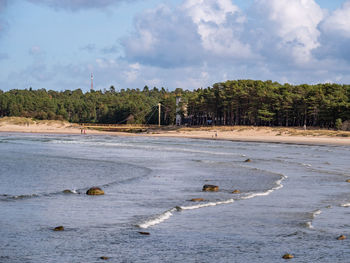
(259, 135)
(234, 133)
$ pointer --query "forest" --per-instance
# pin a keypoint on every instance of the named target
(236, 102)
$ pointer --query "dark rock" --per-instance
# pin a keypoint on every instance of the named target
(247, 161)
(104, 258)
(67, 191)
(58, 228)
(236, 191)
(342, 237)
(288, 256)
(348, 181)
(178, 208)
(144, 233)
(210, 188)
(95, 191)
(197, 200)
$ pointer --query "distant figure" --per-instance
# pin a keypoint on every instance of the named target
(216, 134)
(84, 131)
(81, 130)
(304, 127)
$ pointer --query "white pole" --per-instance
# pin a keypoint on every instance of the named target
(159, 114)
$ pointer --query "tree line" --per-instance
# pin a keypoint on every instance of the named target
(237, 102)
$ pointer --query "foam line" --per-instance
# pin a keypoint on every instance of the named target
(206, 204)
(167, 214)
(278, 186)
(157, 220)
(313, 216)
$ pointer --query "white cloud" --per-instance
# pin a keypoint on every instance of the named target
(219, 23)
(215, 11)
(289, 27)
(164, 37)
(195, 33)
(201, 42)
(339, 21)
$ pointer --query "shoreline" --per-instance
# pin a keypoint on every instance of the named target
(239, 134)
(297, 140)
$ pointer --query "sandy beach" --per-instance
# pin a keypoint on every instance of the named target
(234, 133)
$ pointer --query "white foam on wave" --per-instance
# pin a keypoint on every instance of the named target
(314, 214)
(345, 205)
(73, 191)
(306, 164)
(278, 186)
(167, 214)
(309, 225)
(157, 220)
(191, 207)
(24, 196)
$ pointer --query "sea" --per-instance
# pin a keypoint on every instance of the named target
(293, 199)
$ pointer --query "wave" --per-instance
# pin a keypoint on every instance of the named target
(345, 205)
(308, 166)
(158, 219)
(167, 214)
(6, 197)
(314, 214)
(278, 186)
(191, 207)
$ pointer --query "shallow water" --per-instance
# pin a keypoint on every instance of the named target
(294, 199)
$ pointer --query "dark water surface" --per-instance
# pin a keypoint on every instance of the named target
(294, 199)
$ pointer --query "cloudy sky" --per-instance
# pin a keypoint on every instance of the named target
(56, 44)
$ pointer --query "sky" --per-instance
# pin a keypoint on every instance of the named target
(188, 44)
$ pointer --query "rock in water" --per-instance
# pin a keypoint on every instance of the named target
(210, 188)
(236, 192)
(197, 200)
(348, 181)
(178, 208)
(58, 228)
(68, 191)
(342, 237)
(247, 161)
(144, 233)
(95, 191)
(287, 256)
(104, 258)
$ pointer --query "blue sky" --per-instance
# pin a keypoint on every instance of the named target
(56, 44)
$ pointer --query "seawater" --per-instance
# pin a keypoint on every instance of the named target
(294, 199)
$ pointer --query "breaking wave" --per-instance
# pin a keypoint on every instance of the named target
(167, 214)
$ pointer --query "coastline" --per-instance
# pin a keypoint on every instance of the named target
(264, 137)
(237, 133)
